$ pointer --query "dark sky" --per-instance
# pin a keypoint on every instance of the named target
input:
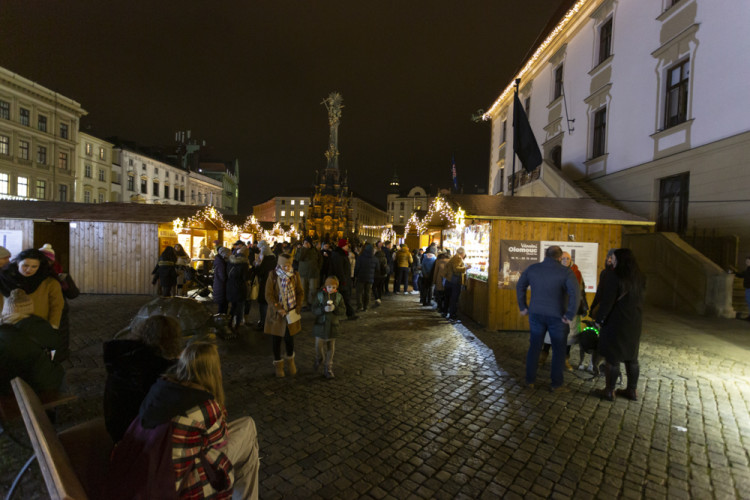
(248, 77)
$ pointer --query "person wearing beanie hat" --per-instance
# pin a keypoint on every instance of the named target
(310, 262)
(285, 296)
(25, 342)
(328, 309)
(340, 266)
(4, 256)
(49, 252)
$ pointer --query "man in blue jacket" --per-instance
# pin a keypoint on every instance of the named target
(552, 286)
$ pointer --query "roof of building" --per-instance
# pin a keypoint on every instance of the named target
(98, 212)
(479, 206)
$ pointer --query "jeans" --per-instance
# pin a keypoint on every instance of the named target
(425, 291)
(453, 291)
(539, 325)
(363, 295)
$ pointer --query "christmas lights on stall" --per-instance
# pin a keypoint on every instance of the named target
(438, 207)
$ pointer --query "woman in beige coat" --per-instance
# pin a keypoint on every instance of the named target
(285, 298)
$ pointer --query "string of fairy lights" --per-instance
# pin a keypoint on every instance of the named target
(438, 207)
(251, 225)
(537, 54)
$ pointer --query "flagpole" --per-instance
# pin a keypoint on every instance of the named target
(513, 177)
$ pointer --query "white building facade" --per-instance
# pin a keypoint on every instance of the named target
(288, 210)
(399, 208)
(38, 140)
(646, 101)
(93, 170)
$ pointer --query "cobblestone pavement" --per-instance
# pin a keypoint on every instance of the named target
(421, 408)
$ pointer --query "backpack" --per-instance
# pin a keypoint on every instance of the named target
(141, 466)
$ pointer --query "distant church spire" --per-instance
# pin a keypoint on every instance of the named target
(395, 187)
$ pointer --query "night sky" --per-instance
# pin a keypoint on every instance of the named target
(248, 77)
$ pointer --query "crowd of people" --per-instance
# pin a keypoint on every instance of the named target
(159, 391)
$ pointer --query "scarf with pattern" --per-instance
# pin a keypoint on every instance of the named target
(286, 289)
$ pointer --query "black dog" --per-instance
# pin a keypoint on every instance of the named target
(588, 343)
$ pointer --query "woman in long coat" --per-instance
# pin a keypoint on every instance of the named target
(220, 279)
(619, 318)
(266, 263)
(285, 296)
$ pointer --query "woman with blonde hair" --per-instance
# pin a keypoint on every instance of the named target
(210, 458)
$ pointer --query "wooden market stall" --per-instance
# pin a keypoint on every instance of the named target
(502, 235)
(106, 247)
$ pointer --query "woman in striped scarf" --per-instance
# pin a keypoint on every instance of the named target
(285, 298)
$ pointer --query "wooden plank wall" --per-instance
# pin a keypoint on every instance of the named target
(25, 225)
(503, 307)
(113, 257)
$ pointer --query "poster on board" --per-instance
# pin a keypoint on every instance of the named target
(517, 255)
(12, 240)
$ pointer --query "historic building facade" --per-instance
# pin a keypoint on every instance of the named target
(228, 173)
(38, 140)
(330, 214)
(643, 102)
(93, 170)
(290, 209)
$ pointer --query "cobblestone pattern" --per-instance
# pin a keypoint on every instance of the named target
(421, 408)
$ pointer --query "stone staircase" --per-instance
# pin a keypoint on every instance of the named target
(594, 192)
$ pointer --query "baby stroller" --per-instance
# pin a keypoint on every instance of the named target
(202, 281)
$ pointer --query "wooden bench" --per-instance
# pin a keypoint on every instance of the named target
(74, 462)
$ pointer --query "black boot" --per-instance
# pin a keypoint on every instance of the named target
(633, 371)
(610, 377)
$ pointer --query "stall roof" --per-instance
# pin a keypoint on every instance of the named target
(543, 209)
(98, 212)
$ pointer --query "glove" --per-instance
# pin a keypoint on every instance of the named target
(329, 308)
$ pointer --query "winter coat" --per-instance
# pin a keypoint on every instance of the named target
(44, 291)
(381, 271)
(24, 352)
(310, 262)
(339, 266)
(416, 263)
(261, 272)
(403, 257)
(220, 279)
(165, 273)
(327, 323)
(198, 428)
(366, 267)
(276, 324)
(438, 274)
(620, 316)
(132, 368)
(389, 258)
(238, 274)
(428, 264)
(554, 289)
(455, 270)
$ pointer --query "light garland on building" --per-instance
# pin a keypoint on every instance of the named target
(439, 207)
(537, 54)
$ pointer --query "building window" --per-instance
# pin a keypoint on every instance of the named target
(556, 157)
(301, 213)
(673, 203)
(144, 186)
(558, 82)
(130, 162)
(23, 150)
(87, 171)
(283, 202)
(302, 202)
(87, 196)
(291, 214)
(131, 183)
(605, 41)
(102, 156)
(41, 190)
(402, 206)
(176, 194)
(41, 123)
(41, 155)
(62, 161)
(600, 133)
(24, 116)
(504, 134)
(156, 188)
(283, 213)
(143, 166)
(102, 176)
(23, 187)
(101, 198)
(4, 183)
(182, 195)
(4, 145)
(5, 110)
(62, 192)
(166, 192)
(88, 149)
(156, 170)
(63, 130)
(678, 77)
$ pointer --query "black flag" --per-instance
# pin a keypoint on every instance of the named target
(524, 142)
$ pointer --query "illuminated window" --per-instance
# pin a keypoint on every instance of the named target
(41, 190)
(62, 162)
(23, 186)
(301, 213)
(292, 202)
(4, 145)
(88, 149)
(102, 156)
(3, 183)
(301, 202)
(291, 214)
(283, 213)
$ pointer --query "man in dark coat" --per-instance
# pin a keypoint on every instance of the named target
(388, 251)
(220, 279)
(381, 272)
(310, 262)
(551, 284)
(339, 266)
(364, 273)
